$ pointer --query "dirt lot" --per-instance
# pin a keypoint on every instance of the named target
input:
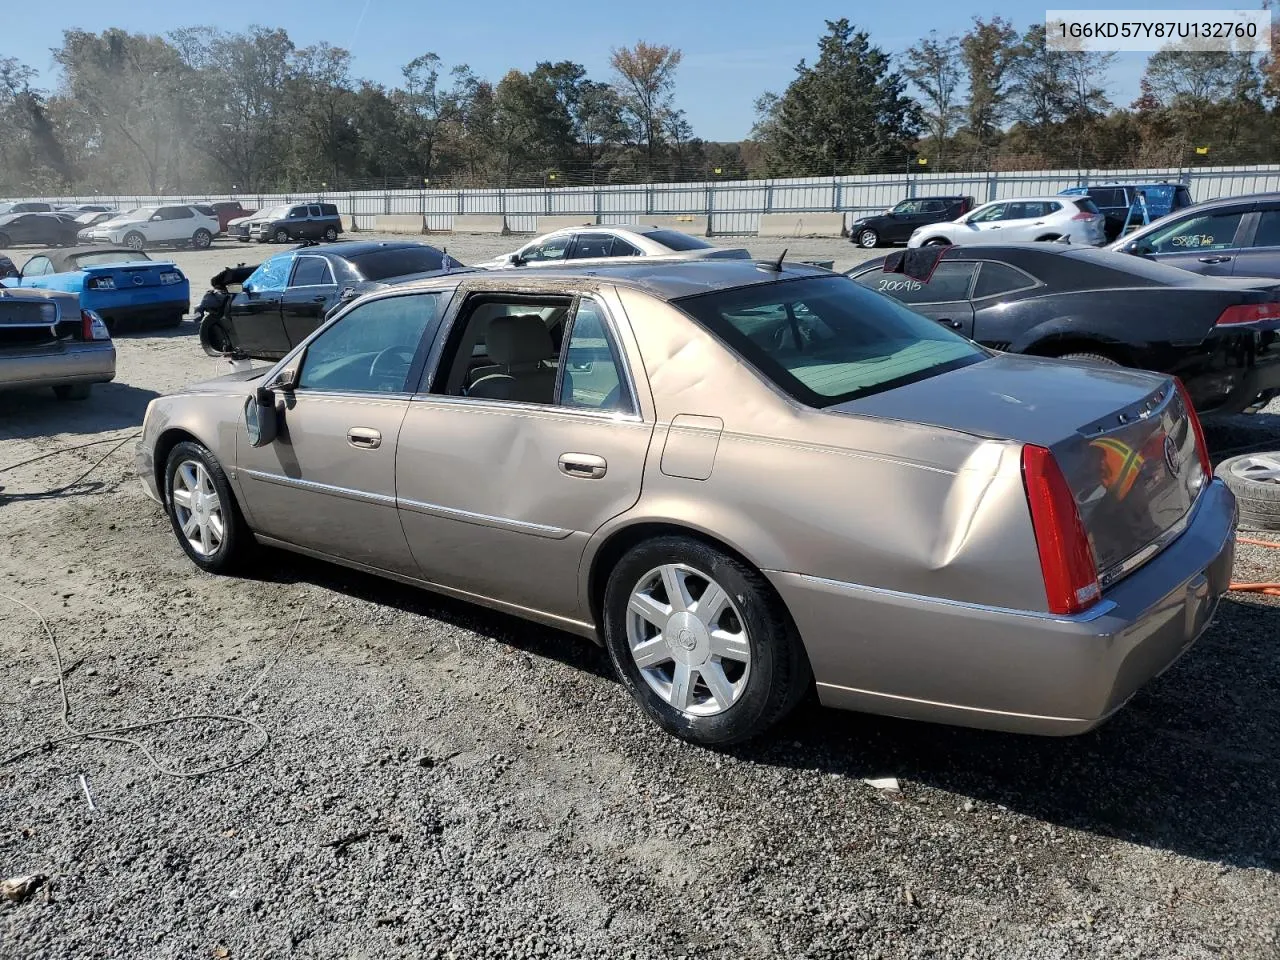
(441, 781)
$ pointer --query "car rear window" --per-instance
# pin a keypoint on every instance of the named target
(825, 340)
(675, 240)
(1085, 205)
(400, 262)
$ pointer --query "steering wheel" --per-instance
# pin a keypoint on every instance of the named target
(403, 357)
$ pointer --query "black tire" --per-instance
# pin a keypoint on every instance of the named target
(215, 338)
(779, 674)
(201, 239)
(281, 235)
(937, 242)
(1047, 238)
(1255, 480)
(5, 241)
(73, 391)
(868, 239)
(330, 234)
(236, 549)
(1098, 358)
(135, 240)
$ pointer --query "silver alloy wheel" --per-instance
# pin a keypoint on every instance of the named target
(1260, 468)
(135, 241)
(197, 508)
(689, 640)
(867, 239)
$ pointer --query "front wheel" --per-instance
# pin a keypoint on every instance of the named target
(135, 241)
(330, 234)
(73, 391)
(201, 239)
(203, 511)
(282, 235)
(214, 336)
(702, 642)
(868, 239)
(1096, 358)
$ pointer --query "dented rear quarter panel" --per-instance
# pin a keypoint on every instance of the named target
(858, 499)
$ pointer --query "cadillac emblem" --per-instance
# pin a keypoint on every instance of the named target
(1171, 456)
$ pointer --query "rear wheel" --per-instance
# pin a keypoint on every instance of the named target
(201, 239)
(702, 641)
(203, 511)
(214, 336)
(330, 234)
(1255, 480)
(282, 235)
(868, 239)
(938, 242)
(1098, 358)
(73, 391)
(135, 241)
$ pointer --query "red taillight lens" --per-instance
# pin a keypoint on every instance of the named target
(1084, 216)
(1066, 559)
(1202, 448)
(1249, 313)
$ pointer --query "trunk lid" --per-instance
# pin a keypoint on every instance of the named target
(27, 322)
(130, 276)
(1123, 440)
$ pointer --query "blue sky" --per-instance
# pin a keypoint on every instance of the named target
(733, 50)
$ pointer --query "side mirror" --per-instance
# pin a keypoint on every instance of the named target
(286, 379)
(261, 419)
(348, 293)
(156, 217)
(516, 260)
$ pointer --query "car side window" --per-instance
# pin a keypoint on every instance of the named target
(593, 245)
(950, 282)
(313, 211)
(38, 267)
(505, 348)
(995, 279)
(907, 207)
(176, 213)
(1268, 233)
(989, 214)
(371, 349)
(553, 249)
(933, 206)
(1210, 231)
(623, 249)
(297, 213)
(311, 272)
(592, 372)
(270, 277)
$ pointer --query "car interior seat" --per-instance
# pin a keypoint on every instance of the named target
(519, 346)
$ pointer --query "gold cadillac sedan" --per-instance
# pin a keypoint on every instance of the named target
(744, 479)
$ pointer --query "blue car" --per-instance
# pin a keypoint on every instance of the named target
(120, 285)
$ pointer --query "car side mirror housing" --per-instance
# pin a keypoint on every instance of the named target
(261, 419)
(287, 379)
(516, 260)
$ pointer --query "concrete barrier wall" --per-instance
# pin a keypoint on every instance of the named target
(801, 225)
(548, 224)
(472, 223)
(398, 223)
(349, 223)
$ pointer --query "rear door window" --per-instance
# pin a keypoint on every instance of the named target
(995, 279)
(592, 245)
(311, 272)
(1268, 232)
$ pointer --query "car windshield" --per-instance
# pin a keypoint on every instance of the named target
(675, 240)
(398, 262)
(108, 258)
(276, 213)
(142, 213)
(825, 340)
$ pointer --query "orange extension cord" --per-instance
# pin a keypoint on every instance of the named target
(1269, 589)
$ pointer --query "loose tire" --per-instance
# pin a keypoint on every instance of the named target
(73, 391)
(937, 242)
(203, 512)
(282, 235)
(1098, 358)
(1255, 480)
(718, 664)
(330, 234)
(868, 239)
(201, 239)
(215, 338)
(135, 240)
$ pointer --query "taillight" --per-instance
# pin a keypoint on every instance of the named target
(1249, 313)
(170, 276)
(1066, 560)
(92, 326)
(1084, 215)
(1202, 448)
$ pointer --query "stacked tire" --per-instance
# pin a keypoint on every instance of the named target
(1255, 480)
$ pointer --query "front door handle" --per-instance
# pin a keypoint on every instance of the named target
(948, 322)
(586, 466)
(366, 438)
(320, 299)
(1215, 259)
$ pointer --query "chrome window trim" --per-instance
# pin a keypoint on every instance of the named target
(518, 406)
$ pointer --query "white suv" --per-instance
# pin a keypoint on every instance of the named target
(1026, 218)
(148, 226)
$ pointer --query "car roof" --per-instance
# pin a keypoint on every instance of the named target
(1056, 197)
(666, 279)
(62, 257)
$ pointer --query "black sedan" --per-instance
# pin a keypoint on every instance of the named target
(41, 229)
(290, 294)
(1218, 335)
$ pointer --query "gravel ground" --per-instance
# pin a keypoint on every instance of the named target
(442, 781)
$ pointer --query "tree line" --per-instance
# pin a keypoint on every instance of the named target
(204, 110)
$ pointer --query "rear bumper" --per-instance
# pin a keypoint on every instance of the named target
(165, 311)
(61, 365)
(1020, 671)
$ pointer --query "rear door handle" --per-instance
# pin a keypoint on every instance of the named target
(586, 466)
(948, 322)
(320, 299)
(366, 438)
(1215, 259)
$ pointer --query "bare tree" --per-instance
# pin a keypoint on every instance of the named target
(933, 67)
(645, 80)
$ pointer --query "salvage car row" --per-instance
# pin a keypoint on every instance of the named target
(649, 441)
